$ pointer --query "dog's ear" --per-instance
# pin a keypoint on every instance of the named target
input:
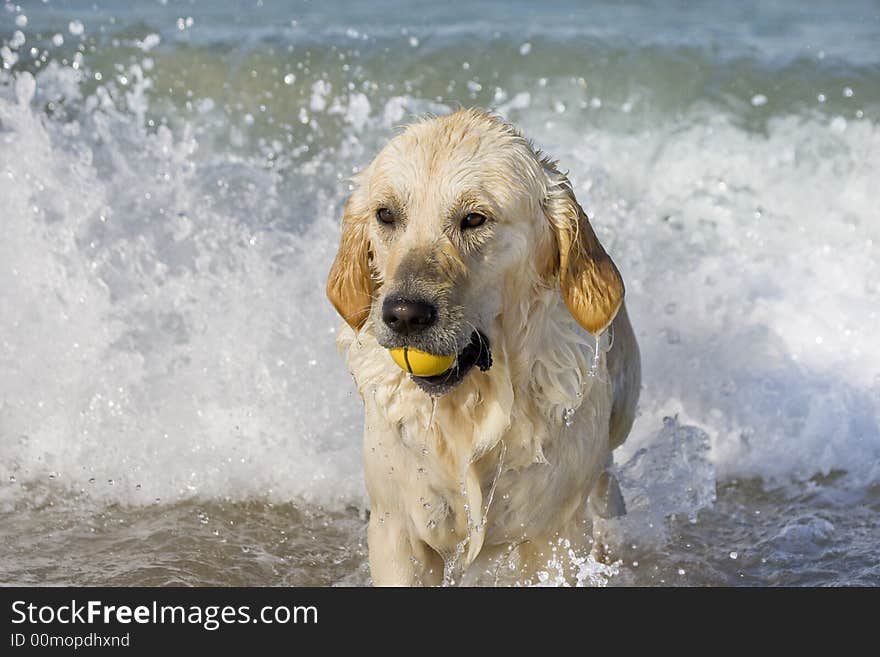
(591, 285)
(350, 283)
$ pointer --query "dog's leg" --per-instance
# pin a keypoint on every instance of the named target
(552, 559)
(606, 500)
(605, 503)
(395, 560)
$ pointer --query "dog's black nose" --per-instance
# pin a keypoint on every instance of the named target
(406, 317)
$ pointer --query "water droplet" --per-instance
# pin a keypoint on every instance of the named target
(75, 27)
(758, 100)
(681, 571)
(848, 92)
(838, 124)
(92, 480)
(734, 555)
(11, 479)
(17, 41)
(525, 48)
(289, 79)
(567, 416)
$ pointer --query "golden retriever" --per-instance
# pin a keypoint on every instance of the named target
(460, 238)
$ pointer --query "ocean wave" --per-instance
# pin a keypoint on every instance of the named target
(165, 334)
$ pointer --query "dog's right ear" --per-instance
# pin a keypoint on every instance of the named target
(350, 283)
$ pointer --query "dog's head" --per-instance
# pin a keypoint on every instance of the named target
(454, 216)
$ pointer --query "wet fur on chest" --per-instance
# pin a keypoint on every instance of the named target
(507, 455)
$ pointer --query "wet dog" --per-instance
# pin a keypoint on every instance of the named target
(460, 238)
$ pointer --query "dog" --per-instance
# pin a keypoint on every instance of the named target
(462, 238)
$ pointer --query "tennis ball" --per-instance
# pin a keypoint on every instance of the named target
(421, 363)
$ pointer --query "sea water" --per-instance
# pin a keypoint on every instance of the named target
(172, 408)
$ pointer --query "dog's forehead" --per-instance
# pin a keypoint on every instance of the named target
(447, 157)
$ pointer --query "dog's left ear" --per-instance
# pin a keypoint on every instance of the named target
(591, 285)
(350, 283)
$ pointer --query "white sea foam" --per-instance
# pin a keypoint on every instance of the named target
(150, 337)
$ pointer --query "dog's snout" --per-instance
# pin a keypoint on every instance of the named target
(405, 317)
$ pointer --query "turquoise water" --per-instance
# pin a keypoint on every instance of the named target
(171, 177)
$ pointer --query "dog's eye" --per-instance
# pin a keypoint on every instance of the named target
(473, 220)
(385, 216)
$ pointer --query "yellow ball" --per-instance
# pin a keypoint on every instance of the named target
(421, 363)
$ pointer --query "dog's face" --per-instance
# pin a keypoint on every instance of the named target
(454, 216)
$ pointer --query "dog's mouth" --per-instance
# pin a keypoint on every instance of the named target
(476, 352)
